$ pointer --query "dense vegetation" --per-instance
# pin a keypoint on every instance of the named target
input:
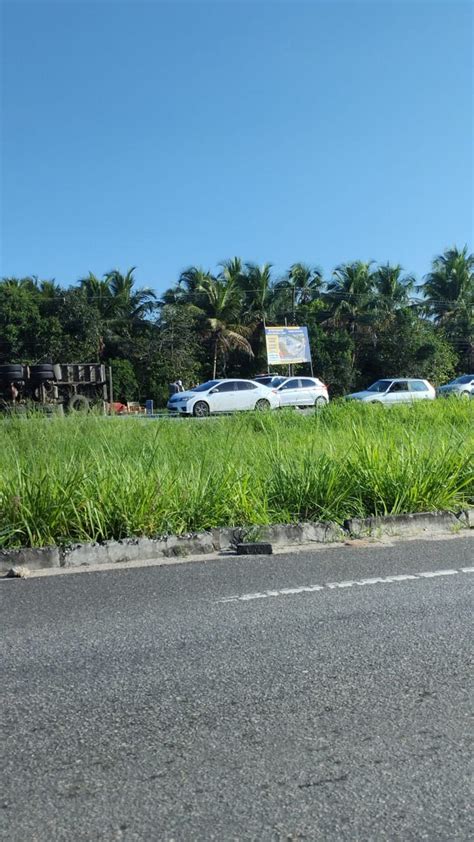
(365, 321)
(89, 478)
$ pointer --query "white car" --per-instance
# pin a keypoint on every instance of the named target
(229, 395)
(300, 391)
(462, 387)
(395, 390)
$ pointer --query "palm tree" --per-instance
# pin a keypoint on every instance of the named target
(449, 287)
(122, 309)
(256, 285)
(221, 305)
(301, 285)
(232, 271)
(392, 289)
(97, 292)
(29, 283)
(130, 306)
(350, 295)
(449, 298)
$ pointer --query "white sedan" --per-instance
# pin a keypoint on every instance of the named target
(230, 395)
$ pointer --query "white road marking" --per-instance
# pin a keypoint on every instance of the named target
(377, 580)
(431, 575)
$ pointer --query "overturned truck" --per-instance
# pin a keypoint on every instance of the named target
(69, 387)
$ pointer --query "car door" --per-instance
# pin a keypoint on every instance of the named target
(222, 398)
(289, 392)
(398, 393)
(246, 394)
(309, 392)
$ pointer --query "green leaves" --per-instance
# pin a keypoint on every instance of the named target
(93, 479)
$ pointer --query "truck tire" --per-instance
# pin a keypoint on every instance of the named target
(78, 403)
(42, 372)
(42, 369)
(11, 372)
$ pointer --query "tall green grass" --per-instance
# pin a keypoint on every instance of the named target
(74, 479)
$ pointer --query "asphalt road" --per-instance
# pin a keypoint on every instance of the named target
(300, 696)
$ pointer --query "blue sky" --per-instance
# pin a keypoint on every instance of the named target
(163, 134)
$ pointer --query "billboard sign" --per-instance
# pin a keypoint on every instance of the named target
(287, 345)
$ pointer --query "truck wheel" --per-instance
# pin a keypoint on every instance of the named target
(78, 403)
(11, 373)
(41, 372)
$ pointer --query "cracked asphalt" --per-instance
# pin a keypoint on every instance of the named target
(138, 705)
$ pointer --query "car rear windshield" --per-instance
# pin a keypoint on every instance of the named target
(204, 387)
(379, 386)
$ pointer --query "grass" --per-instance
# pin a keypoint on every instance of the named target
(65, 480)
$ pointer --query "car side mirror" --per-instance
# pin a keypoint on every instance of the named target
(213, 391)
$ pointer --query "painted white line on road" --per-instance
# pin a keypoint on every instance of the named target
(431, 575)
(350, 583)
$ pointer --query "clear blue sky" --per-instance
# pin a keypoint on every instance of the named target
(163, 134)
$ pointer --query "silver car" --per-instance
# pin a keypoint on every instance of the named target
(229, 395)
(300, 391)
(395, 390)
(461, 387)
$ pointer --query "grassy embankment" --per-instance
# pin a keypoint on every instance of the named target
(91, 479)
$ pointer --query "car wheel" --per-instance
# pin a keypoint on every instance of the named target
(465, 395)
(377, 403)
(262, 405)
(320, 402)
(201, 409)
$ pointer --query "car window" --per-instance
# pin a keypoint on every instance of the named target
(265, 381)
(225, 387)
(290, 384)
(418, 386)
(379, 386)
(204, 387)
(399, 386)
(308, 384)
(465, 378)
(244, 386)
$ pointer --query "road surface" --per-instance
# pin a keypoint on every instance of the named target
(319, 695)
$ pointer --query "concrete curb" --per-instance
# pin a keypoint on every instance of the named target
(201, 543)
(415, 524)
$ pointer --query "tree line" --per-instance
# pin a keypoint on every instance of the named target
(364, 322)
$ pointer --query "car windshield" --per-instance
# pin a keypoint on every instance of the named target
(379, 386)
(204, 387)
(466, 378)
